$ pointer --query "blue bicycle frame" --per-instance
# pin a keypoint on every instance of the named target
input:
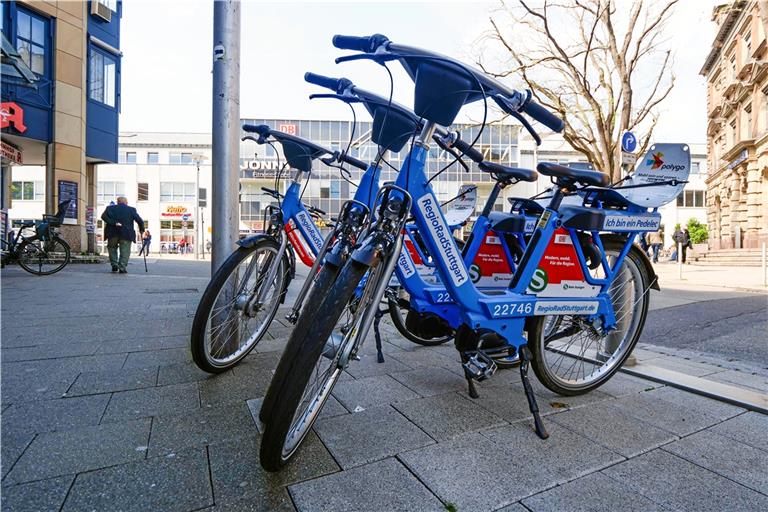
(503, 311)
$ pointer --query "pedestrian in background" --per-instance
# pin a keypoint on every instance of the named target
(682, 240)
(146, 239)
(118, 230)
(657, 240)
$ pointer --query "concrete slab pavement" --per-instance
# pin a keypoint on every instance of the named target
(103, 410)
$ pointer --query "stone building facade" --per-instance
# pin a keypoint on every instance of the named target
(736, 70)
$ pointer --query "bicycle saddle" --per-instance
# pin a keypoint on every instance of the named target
(583, 176)
(504, 173)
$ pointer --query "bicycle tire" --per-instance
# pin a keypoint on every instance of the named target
(298, 362)
(53, 240)
(323, 282)
(538, 348)
(199, 333)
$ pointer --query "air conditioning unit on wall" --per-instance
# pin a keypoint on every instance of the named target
(101, 10)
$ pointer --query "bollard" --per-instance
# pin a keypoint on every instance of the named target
(679, 260)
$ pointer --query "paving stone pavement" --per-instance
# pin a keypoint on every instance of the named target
(105, 411)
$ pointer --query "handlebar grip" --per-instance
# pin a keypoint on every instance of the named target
(543, 116)
(468, 150)
(322, 81)
(261, 129)
(361, 44)
(367, 44)
(354, 162)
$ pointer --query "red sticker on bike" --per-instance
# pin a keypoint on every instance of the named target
(490, 268)
(559, 273)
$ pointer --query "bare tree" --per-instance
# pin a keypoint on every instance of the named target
(599, 63)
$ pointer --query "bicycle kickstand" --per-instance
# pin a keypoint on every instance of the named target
(377, 319)
(525, 357)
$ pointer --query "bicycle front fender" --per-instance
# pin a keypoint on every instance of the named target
(251, 241)
(373, 249)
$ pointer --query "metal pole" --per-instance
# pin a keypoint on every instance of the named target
(197, 211)
(679, 260)
(226, 128)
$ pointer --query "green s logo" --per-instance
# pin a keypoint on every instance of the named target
(538, 281)
(474, 273)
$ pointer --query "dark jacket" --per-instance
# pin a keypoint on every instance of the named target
(125, 215)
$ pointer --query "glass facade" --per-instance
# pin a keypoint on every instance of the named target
(327, 189)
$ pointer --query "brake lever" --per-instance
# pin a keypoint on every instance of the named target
(527, 125)
(378, 57)
(347, 99)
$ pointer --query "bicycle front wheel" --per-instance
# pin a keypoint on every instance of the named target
(571, 356)
(43, 257)
(238, 306)
(311, 366)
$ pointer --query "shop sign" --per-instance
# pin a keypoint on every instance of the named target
(254, 169)
(736, 161)
(174, 211)
(290, 129)
(12, 153)
(12, 115)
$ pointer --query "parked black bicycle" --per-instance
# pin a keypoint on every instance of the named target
(43, 253)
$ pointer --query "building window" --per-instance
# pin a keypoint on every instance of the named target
(27, 190)
(746, 128)
(335, 189)
(180, 158)
(176, 191)
(747, 46)
(30, 40)
(130, 157)
(325, 193)
(142, 193)
(109, 191)
(153, 158)
(765, 110)
(102, 73)
(112, 4)
(691, 199)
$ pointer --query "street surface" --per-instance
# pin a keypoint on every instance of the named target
(103, 410)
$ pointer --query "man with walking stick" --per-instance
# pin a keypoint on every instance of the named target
(118, 230)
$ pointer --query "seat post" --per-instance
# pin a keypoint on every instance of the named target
(491, 200)
(557, 196)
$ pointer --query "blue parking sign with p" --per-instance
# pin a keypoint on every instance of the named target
(628, 142)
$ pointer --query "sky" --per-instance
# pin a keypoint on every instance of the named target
(167, 55)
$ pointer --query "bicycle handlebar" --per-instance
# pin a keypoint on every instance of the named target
(265, 131)
(338, 85)
(509, 100)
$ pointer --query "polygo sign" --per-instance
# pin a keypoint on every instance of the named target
(12, 115)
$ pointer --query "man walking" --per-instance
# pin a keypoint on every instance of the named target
(657, 240)
(118, 230)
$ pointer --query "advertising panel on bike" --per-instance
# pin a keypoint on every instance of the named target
(663, 163)
(559, 273)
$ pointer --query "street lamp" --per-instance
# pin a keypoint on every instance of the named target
(198, 158)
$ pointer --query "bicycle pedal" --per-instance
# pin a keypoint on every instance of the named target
(480, 366)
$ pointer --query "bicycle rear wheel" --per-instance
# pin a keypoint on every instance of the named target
(230, 320)
(570, 355)
(43, 257)
(311, 364)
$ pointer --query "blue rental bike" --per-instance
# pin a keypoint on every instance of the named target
(244, 294)
(573, 310)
